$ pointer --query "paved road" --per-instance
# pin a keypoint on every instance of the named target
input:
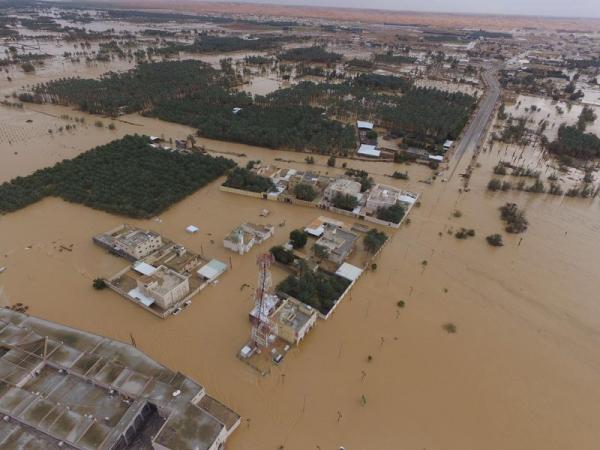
(474, 132)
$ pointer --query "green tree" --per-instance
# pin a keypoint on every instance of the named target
(305, 192)
(298, 238)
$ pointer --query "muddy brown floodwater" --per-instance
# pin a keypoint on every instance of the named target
(521, 372)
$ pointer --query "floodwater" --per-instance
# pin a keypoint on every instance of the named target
(521, 372)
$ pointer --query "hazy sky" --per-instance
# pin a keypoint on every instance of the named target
(564, 8)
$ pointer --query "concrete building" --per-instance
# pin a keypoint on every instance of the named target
(381, 196)
(61, 387)
(343, 186)
(244, 237)
(165, 286)
(339, 243)
(130, 242)
(293, 320)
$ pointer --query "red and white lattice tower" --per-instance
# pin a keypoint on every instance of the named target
(263, 327)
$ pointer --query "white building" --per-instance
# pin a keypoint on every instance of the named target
(165, 286)
(244, 237)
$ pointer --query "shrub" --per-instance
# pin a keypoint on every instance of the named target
(494, 240)
(298, 238)
(282, 255)
(373, 240)
(99, 284)
(305, 192)
(345, 201)
(393, 213)
(331, 161)
(494, 185)
(514, 218)
(449, 327)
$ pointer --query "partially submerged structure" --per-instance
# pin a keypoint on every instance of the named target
(167, 276)
(244, 237)
(61, 387)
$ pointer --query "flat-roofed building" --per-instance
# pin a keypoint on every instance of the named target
(165, 286)
(61, 387)
(138, 243)
(382, 196)
(338, 243)
(343, 186)
(293, 320)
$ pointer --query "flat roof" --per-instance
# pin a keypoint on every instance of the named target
(368, 150)
(212, 269)
(362, 124)
(144, 268)
(349, 272)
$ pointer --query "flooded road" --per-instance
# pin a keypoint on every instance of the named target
(521, 372)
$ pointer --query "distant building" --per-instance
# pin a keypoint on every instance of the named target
(165, 286)
(244, 237)
(339, 243)
(363, 125)
(369, 151)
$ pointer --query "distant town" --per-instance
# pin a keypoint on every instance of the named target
(278, 227)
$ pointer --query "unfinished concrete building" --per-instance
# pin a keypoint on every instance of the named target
(61, 387)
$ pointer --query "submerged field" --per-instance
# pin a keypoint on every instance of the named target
(520, 371)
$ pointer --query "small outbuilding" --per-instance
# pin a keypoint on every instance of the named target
(369, 151)
(363, 125)
(212, 270)
(192, 229)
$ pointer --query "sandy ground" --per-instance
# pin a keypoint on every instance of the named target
(520, 373)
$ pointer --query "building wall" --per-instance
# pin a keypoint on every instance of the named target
(168, 299)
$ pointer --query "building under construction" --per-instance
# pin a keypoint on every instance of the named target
(61, 387)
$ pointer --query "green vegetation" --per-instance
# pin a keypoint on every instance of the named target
(298, 238)
(514, 218)
(318, 289)
(464, 233)
(320, 251)
(28, 67)
(359, 63)
(495, 240)
(99, 284)
(390, 58)
(373, 240)
(224, 44)
(362, 176)
(314, 54)
(126, 176)
(282, 255)
(305, 192)
(449, 328)
(400, 175)
(244, 179)
(393, 213)
(345, 201)
(378, 81)
(572, 141)
(586, 117)
(135, 90)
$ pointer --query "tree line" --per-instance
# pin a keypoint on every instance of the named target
(125, 176)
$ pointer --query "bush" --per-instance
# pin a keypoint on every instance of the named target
(494, 185)
(298, 238)
(331, 161)
(345, 201)
(244, 179)
(373, 240)
(305, 192)
(514, 218)
(494, 240)
(464, 233)
(282, 255)
(449, 327)
(320, 251)
(28, 67)
(99, 284)
(393, 213)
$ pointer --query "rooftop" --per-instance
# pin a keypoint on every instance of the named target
(62, 384)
